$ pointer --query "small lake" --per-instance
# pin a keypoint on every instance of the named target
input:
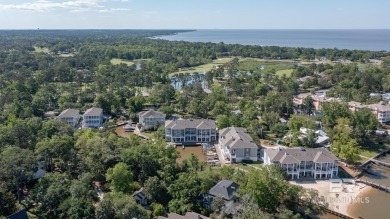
(188, 150)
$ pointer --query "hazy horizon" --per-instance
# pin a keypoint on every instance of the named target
(191, 14)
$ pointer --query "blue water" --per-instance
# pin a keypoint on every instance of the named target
(375, 40)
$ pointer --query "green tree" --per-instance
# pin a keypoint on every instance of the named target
(51, 191)
(16, 164)
(270, 118)
(7, 201)
(350, 151)
(222, 121)
(266, 187)
(363, 122)
(333, 111)
(120, 178)
(135, 104)
(80, 208)
(344, 145)
(156, 190)
(105, 210)
(221, 108)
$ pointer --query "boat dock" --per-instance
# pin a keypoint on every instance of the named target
(375, 185)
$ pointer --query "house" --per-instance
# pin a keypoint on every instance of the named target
(188, 215)
(318, 163)
(227, 190)
(151, 118)
(93, 118)
(190, 131)
(321, 137)
(237, 145)
(70, 116)
(140, 197)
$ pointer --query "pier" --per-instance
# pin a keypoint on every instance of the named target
(375, 185)
(338, 214)
(381, 163)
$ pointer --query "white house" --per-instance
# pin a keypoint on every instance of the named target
(70, 116)
(318, 163)
(237, 145)
(151, 118)
(93, 118)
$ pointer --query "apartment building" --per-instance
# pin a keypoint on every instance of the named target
(190, 131)
(318, 163)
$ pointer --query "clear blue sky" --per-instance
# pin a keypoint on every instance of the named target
(195, 14)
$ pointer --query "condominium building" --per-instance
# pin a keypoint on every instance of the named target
(318, 163)
(190, 130)
(70, 116)
(381, 111)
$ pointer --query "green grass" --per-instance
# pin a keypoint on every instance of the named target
(120, 61)
(277, 66)
(286, 72)
(148, 134)
(203, 68)
(39, 49)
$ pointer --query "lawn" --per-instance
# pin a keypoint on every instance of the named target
(203, 68)
(267, 66)
(286, 72)
(120, 61)
(39, 49)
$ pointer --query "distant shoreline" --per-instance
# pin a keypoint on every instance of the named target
(348, 39)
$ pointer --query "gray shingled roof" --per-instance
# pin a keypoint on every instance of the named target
(296, 155)
(225, 189)
(69, 113)
(93, 111)
(151, 113)
(236, 137)
(190, 123)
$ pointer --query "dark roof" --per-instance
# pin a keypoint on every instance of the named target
(69, 113)
(140, 194)
(296, 155)
(19, 215)
(93, 111)
(151, 113)
(225, 189)
(236, 137)
(190, 123)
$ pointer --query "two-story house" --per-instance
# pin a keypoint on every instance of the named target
(93, 118)
(318, 163)
(237, 145)
(70, 116)
(190, 131)
(151, 118)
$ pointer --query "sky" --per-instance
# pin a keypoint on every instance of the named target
(194, 14)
